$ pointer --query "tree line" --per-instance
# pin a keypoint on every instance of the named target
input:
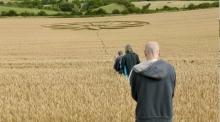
(90, 7)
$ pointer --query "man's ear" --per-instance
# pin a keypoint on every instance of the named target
(145, 54)
(159, 52)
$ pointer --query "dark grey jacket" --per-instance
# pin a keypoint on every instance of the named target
(153, 88)
(129, 60)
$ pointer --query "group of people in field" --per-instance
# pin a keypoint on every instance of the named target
(124, 63)
(152, 82)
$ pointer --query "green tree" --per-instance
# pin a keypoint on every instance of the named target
(66, 6)
(115, 11)
(125, 11)
(42, 13)
(100, 11)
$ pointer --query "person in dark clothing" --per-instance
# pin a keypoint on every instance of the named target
(129, 60)
(117, 64)
(152, 87)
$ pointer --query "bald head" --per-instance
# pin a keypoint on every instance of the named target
(152, 50)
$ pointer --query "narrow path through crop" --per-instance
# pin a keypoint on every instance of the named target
(104, 47)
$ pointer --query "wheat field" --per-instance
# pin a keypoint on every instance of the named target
(66, 75)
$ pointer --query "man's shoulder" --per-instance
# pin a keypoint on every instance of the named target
(134, 54)
(144, 65)
(125, 55)
(164, 62)
(119, 57)
(167, 64)
(140, 67)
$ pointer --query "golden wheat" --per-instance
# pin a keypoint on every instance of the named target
(62, 75)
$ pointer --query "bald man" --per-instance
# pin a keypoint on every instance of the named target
(152, 87)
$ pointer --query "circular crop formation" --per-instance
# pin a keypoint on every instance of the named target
(98, 25)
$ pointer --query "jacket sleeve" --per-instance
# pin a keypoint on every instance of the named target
(122, 64)
(115, 64)
(132, 79)
(174, 81)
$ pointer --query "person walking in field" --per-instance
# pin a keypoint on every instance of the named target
(117, 64)
(152, 87)
(129, 60)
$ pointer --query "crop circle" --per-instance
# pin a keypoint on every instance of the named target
(99, 25)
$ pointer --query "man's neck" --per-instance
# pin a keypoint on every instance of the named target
(152, 59)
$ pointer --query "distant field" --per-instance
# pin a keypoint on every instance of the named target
(20, 10)
(160, 4)
(154, 4)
